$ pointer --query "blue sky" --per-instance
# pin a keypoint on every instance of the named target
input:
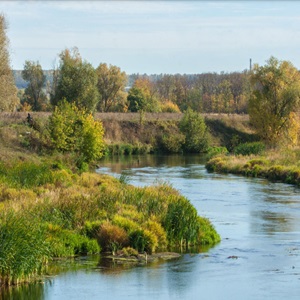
(155, 36)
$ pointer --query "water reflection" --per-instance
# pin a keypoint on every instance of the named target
(274, 208)
(119, 164)
(23, 292)
(271, 223)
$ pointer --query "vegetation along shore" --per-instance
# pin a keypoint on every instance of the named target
(54, 132)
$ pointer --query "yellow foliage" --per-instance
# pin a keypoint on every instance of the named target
(293, 129)
(169, 106)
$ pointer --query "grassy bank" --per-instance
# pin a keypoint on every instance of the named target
(47, 211)
(124, 133)
(282, 166)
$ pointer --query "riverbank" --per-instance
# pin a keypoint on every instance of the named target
(124, 133)
(275, 165)
(50, 209)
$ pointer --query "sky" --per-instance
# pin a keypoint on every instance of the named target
(155, 37)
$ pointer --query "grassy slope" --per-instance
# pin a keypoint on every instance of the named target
(121, 128)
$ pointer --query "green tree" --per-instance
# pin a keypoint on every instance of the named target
(34, 94)
(275, 96)
(142, 96)
(111, 85)
(136, 99)
(9, 100)
(76, 81)
(193, 126)
(74, 130)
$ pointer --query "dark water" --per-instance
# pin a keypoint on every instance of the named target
(258, 258)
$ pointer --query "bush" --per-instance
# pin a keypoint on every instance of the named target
(216, 164)
(64, 243)
(214, 151)
(255, 148)
(193, 126)
(172, 143)
(74, 130)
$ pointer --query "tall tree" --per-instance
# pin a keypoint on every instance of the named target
(35, 77)
(8, 91)
(111, 86)
(76, 81)
(275, 97)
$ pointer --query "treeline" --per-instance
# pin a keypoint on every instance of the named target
(206, 92)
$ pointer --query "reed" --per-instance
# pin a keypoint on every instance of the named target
(23, 249)
(56, 213)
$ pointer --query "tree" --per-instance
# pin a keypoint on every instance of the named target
(35, 77)
(136, 99)
(275, 96)
(76, 81)
(9, 100)
(142, 96)
(193, 126)
(111, 85)
(74, 130)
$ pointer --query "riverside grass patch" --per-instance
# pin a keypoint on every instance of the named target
(278, 166)
(56, 213)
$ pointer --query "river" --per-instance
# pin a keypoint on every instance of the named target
(258, 257)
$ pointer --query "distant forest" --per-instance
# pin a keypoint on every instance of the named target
(206, 92)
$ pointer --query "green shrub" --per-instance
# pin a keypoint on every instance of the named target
(193, 126)
(64, 243)
(74, 130)
(216, 164)
(214, 151)
(172, 143)
(255, 148)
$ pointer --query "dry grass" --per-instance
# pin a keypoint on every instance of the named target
(19, 117)
(132, 128)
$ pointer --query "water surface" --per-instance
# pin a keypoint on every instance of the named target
(258, 258)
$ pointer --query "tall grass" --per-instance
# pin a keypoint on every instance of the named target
(282, 166)
(43, 217)
(23, 249)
